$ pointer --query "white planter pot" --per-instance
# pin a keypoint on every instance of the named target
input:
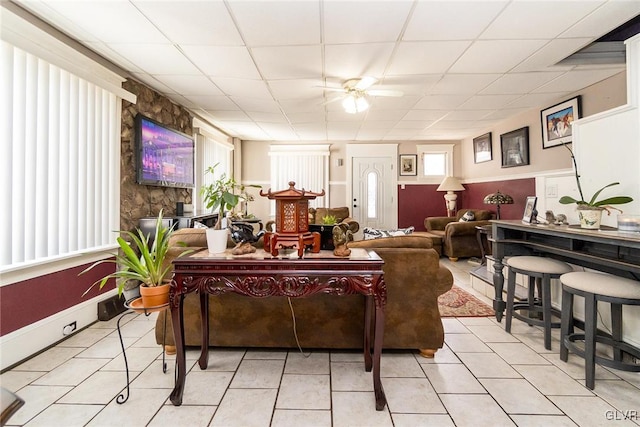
(590, 218)
(216, 240)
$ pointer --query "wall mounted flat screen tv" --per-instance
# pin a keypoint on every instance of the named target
(165, 157)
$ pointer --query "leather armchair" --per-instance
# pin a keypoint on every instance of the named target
(458, 237)
(316, 214)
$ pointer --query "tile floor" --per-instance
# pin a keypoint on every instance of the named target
(482, 377)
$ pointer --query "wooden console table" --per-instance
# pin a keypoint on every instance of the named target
(606, 250)
(259, 275)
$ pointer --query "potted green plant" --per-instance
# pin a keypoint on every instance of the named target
(141, 262)
(222, 195)
(590, 212)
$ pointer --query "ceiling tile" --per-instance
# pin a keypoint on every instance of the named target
(288, 62)
(575, 80)
(189, 85)
(109, 21)
(425, 115)
(488, 102)
(372, 134)
(267, 117)
(378, 124)
(108, 53)
(410, 84)
(440, 102)
(230, 115)
(311, 131)
(256, 104)
(279, 131)
(495, 56)
(405, 102)
(550, 54)
(504, 114)
(156, 58)
(412, 124)
(350, 61)
(536, 100)
(519, 83)
(302, 105)
(243, 87)
(452, 84)
(426, 57)
(607, 17)
(299, 118)
(360, 22)
(208, 102)
(297, 22)
(153, 82)
(339, 115)
(551, 17)
(459, 20)
(296, 88)
(222, 61)
(465, 115)
(374, 114)
(193, 22)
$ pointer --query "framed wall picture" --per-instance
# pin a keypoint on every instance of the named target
(408, 164)
(482, 148)
(556, 122)
(515, 147)
(529, 209)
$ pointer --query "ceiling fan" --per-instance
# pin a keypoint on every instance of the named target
(355, 93)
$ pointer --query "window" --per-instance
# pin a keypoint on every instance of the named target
(436, 162)
(211, 149)
(60, 163)
(306, 165)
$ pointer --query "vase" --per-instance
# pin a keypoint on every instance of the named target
(590, 218)
(216, 240)
(154, 296)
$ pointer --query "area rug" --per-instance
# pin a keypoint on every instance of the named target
(459, 303)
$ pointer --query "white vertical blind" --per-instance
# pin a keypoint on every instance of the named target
(60, 162)
(306, 165)
(210, 152)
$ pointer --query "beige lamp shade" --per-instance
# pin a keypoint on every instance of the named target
(450, 184)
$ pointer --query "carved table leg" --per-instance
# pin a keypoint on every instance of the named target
(498, 283)
(368, 324)
(381, 399)
(181, 364)
(204, 344)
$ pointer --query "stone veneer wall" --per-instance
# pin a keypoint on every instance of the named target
(139, 201)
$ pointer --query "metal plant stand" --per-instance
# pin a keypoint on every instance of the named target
(135, 309)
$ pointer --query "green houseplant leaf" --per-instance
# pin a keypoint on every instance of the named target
(604, 204)
(137, 261)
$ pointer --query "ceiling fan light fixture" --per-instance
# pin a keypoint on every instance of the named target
(355, 103)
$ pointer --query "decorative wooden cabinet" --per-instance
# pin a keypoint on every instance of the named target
(292, 221)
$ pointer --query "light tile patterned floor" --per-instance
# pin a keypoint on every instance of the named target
(483, 376)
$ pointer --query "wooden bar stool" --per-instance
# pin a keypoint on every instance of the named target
(596, 287)
(540, 272)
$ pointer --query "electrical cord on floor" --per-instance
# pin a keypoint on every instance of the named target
(295, 329)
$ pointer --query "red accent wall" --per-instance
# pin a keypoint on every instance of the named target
(30, 301)
(417, 202)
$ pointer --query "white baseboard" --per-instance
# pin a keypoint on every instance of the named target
(30, 340)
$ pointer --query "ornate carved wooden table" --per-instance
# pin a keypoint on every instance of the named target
(259, 275)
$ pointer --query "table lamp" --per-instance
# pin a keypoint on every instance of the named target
(498, 199)
(450, 184)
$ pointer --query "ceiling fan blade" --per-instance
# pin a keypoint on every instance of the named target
(383, 92)
(365, 82)
(333, 89)
(334, 99)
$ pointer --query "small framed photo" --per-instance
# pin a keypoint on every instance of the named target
(408, 164)
(529, 209)
(515, 147)
(556, 122)
(482, 148)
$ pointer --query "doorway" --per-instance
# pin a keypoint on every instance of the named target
(373, 185)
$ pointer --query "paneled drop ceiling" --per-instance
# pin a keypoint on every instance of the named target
(255, 69)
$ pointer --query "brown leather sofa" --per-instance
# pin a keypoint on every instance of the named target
(414, 280)
(458, 238)
(316, 214)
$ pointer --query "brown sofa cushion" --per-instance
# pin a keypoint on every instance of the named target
(316, 214)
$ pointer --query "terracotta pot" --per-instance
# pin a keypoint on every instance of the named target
(154, 296)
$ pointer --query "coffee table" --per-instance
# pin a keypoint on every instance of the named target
(259, 275)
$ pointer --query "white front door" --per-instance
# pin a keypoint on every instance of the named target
(373, 193)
